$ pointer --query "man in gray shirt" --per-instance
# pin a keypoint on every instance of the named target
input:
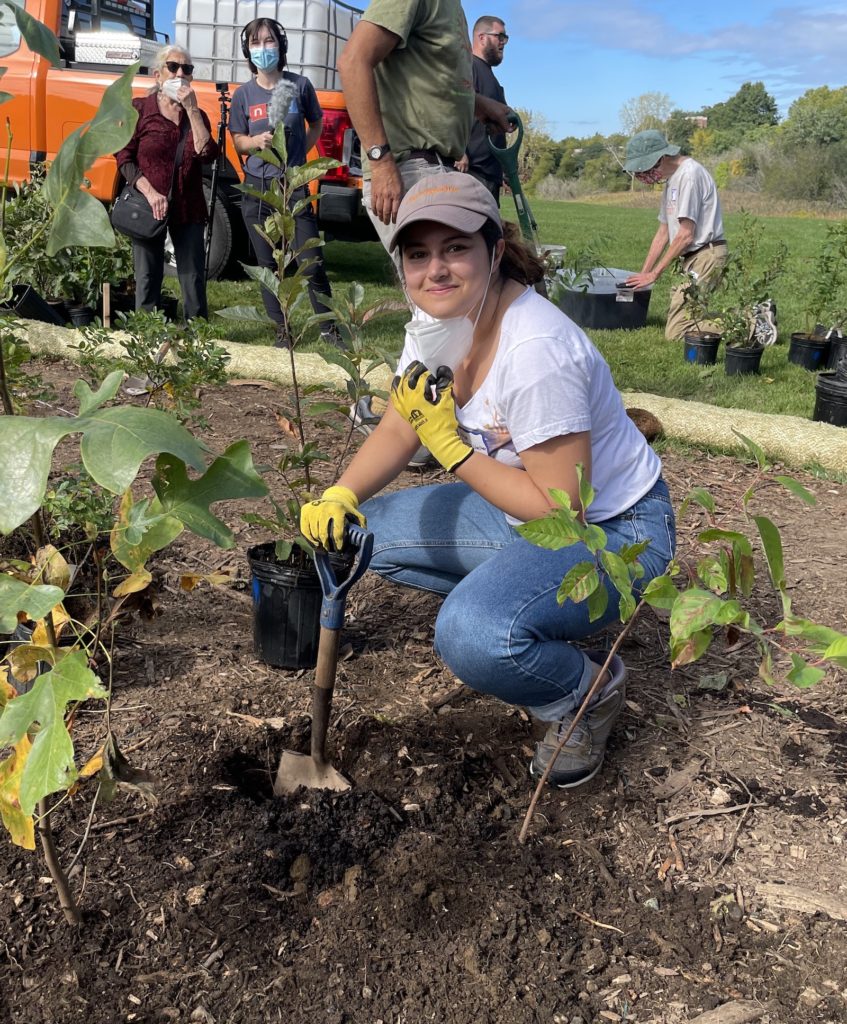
(690, 222)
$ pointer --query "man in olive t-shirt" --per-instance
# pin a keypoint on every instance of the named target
(407, 80)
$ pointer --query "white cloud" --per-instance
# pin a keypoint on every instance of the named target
(794, 48)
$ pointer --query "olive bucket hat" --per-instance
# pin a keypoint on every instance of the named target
(646, 149)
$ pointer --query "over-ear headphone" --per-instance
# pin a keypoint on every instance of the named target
(277, 29)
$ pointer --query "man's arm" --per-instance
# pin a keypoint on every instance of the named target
(655, 263)
(492, 113)
(313, 133)
(366, 48)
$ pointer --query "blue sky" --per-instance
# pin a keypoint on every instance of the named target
(576, 63)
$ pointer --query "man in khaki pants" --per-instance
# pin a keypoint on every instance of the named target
(690, 223)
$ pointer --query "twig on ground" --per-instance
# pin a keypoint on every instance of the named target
(597, 924)
(730, 846)
(708, 812)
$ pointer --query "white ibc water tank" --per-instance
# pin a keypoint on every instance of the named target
(316, 29)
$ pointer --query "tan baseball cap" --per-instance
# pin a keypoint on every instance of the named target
(452, 198)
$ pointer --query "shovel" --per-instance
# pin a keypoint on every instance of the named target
(508, 159)
(313, 770)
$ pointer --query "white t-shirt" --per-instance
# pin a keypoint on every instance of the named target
(548, 380)
(690, 192)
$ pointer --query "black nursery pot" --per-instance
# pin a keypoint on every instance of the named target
(701, 349)
(808, 351)
(28, 304)
(742, 360)
(837, 350)
(287, 606)
(81, 316)
(830, 400)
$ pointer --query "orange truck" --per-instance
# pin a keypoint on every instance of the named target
(98, 39)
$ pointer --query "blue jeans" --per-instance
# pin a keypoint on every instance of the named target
(500, 629)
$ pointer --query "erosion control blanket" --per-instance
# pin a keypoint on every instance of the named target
(790, 439)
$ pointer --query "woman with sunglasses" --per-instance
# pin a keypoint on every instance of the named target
(511, 397)
(168, 115)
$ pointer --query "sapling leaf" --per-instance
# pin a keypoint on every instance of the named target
(18, 824)
(797, 489)
(139, 580)
(688, 649)
(50, 765)
(594, 537)
(231, 475)
(837, 651)
(772, 547)
(52, 568)
(562, 498)
(579, 583)
(250, 313)
(630, 552)
(598, 602)
(766, 668)
(25, 661)
(754, 449)
(263, 276)
(90, 400)
(660, 592)
(336, 357)
(37, 36)
(26, 454)
(558, 530)
(304, 173)
(802, 675)
(34, 599)
(694, 610)
(712, 573)
(698, 496)
(586, 491)
(819, 638)
(730, 536)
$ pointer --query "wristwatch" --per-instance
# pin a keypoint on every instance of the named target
(378, 152)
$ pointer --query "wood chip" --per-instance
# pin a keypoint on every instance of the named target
(736, 1012)
(806, 901)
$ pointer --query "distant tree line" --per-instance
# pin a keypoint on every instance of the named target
(741, 140)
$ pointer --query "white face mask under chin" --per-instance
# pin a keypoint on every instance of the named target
(447, 342)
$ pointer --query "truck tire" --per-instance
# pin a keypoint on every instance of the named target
(225, 227)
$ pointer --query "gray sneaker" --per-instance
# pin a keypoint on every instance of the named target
(365, 420)
(765, 330)
(582, 756)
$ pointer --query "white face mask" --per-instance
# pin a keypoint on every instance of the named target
(171, 86)
(446, 342)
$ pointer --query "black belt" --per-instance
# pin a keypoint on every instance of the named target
(702, 248)
(432, 156)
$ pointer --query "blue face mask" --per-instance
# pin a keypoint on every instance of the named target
(265, 59)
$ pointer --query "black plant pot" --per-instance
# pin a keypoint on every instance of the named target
(81, 316)
(122, 302)
(169, 305)
(606, 305)
(701, 349)
(60, 308)
(808, 351)
(830, 400)
(28, 304)
(742, 360)
(837, 350)
(287, 600)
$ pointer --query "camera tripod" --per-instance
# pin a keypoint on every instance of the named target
(223, 101)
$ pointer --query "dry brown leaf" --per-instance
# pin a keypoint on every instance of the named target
(285, 424)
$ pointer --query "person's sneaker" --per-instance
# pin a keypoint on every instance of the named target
(582, 756)
(765, 331)
(365, 420)
(332, 336)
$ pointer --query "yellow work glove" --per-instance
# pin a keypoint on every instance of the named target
(322, 521)
(425, 401)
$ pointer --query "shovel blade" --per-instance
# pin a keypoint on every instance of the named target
(296, 770)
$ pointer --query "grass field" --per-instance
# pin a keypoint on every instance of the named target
(640, 360)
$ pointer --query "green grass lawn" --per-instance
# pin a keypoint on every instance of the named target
(640, 360)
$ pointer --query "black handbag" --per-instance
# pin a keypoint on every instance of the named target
(132, 214)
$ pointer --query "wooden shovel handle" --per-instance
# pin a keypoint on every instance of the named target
(322, 691)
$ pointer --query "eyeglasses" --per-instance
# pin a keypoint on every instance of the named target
(501, 37)
(173, 66)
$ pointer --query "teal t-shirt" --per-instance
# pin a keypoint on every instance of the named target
(425, 85)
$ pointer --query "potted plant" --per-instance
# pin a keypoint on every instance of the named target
(700, 346)
(825, 310)
(743, 290)
(285, 584)
(592, 294)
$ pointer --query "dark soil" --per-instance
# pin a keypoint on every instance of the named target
(703, 866)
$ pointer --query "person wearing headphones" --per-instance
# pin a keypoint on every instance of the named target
(271, 96)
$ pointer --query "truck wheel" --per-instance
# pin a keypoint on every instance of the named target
(222, 233)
